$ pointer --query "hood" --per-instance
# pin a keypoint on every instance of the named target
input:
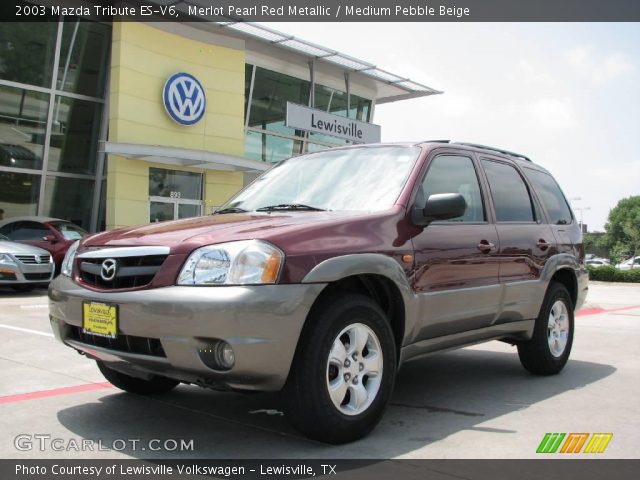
(183, 236)
(15, 248)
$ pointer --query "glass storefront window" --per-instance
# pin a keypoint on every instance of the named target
(27, 51)
(360, 108)
(69, 199)
(18, 194)
(23, 118)
(330, 100)
(74, 136)
(269, 148)
(271, 92)
(84, 55)
(175, 184)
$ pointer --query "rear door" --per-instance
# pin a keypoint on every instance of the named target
(456, 271)
(526, 240)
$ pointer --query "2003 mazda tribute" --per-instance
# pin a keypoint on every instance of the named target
(327, 273)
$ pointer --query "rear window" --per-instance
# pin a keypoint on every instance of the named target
(551, 196)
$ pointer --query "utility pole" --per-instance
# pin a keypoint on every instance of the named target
(581, 210)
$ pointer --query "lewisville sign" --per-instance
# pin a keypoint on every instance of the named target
(312, 120)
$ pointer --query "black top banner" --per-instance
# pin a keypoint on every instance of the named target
(326, 10)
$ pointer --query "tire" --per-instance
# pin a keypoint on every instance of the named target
(359, 399)
(548, 350)
(154, 386)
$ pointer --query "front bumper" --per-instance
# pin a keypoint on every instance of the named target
(262, 324)
(20, 274)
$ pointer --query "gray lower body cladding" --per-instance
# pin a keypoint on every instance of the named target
(261, 323)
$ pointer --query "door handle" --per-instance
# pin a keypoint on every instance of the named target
(543, 245)
(485, 246)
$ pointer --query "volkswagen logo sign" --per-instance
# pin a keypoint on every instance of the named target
(184, 98)
(108, 269)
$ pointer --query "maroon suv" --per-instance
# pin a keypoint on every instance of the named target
(326, 274)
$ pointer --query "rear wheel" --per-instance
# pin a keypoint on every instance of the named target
(344, 370)
(548, 350)
(155, 385)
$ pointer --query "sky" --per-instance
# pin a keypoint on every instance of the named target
(567, 95)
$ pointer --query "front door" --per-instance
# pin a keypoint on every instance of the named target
(174, 194)
(456, 274)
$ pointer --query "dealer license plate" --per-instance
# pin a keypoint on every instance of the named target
(100, 319)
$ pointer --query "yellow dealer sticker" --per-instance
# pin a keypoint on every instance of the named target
(100, 319)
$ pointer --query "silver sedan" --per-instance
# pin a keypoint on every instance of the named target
(23, 267)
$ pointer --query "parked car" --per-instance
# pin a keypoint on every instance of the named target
(633, 262)
(597, 262)
(17, 156)
(24, 267)
(51, 234)
(328, 272)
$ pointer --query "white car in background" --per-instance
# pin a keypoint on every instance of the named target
(598, 262)
(24, 267)
(633, 262)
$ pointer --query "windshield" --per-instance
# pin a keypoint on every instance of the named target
(361, 179)
(70, 231)
(2, 237)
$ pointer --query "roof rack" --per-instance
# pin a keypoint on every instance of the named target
(500, 150)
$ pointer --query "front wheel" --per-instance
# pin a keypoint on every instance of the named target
(343, 373)
(548, 350)
(155, 385)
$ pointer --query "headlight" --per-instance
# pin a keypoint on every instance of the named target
(249, 262)
(6, 259)
(67, 263)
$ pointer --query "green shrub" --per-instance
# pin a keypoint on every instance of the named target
(612, 274)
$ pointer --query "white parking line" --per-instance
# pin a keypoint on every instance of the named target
(27, 330)
(43, 305)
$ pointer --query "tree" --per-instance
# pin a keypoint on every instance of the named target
(623, 227)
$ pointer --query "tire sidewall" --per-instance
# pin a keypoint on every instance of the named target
(336, 315)
(557, 292)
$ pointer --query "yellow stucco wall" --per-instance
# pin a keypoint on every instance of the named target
(143, 57)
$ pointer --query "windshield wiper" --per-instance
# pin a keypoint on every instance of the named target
(231, 210)
(289, 206)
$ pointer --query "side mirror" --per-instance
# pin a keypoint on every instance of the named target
(440, 206)
(50, 238)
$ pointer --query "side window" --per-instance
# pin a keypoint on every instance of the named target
(510, 195)
(28, 231)
(551, 196)
(454, 174)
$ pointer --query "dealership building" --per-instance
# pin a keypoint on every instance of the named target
(116, 124)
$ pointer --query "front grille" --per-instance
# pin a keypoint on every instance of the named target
(131, 272)
(33, 259)
(37, 276)
(122, 343)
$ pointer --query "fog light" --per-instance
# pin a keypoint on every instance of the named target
(218, 355)
(228, 358)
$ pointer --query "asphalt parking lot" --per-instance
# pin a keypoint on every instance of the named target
(476, 402)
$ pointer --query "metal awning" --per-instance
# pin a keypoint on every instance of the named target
(183, 157)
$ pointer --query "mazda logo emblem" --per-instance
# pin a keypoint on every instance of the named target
(108, 269)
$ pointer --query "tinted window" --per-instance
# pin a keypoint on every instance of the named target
(510, 195)
(551, 196)
(28, 231)
(69, 231)
(453, 174)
